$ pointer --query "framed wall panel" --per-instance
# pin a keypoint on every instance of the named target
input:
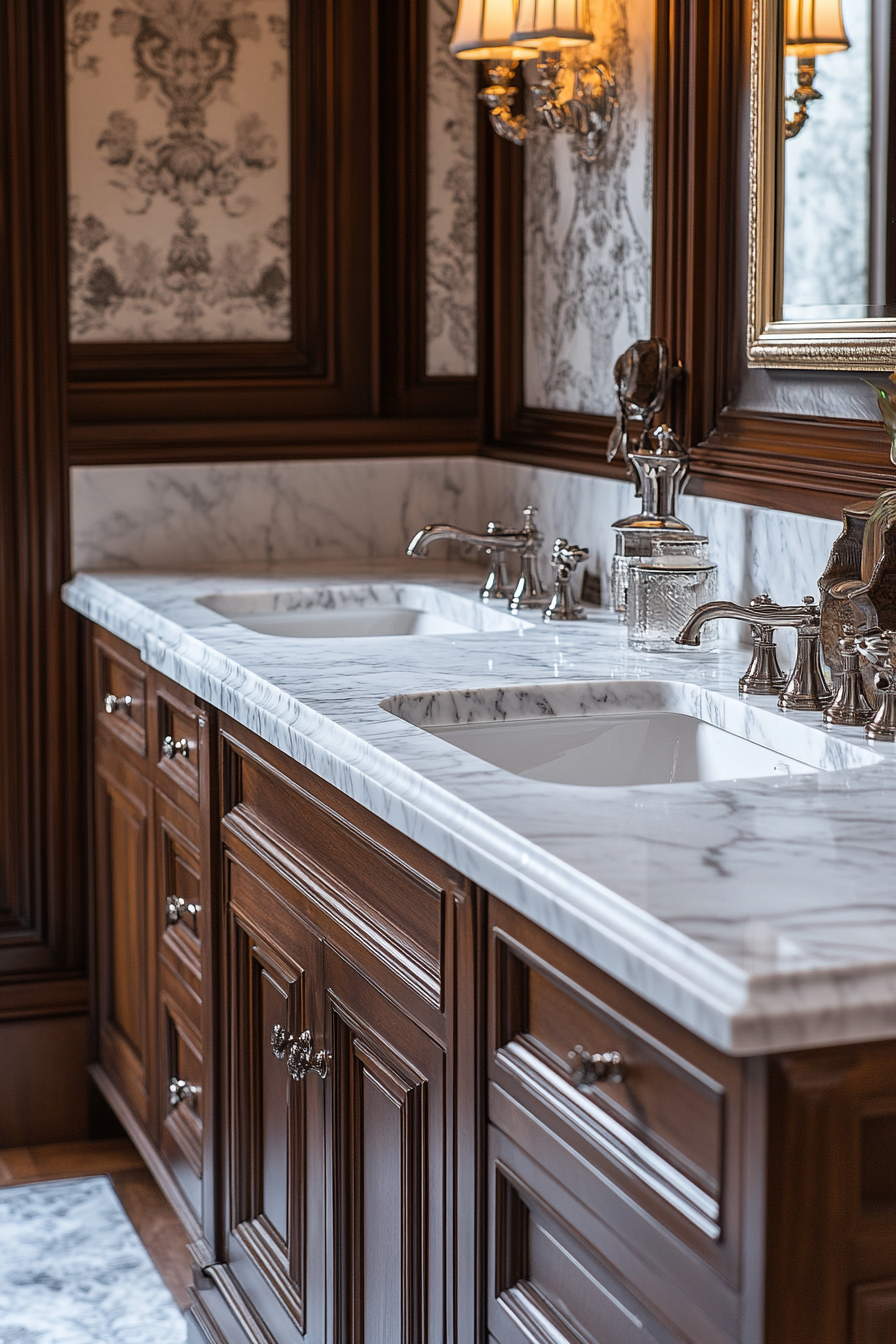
(308, 323)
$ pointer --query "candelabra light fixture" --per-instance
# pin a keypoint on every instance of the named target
(811, 28)
(569, 95)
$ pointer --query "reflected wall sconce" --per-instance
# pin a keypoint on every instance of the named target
(580, 98)
(811, 28)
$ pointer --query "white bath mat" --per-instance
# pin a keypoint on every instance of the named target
(74, 1271)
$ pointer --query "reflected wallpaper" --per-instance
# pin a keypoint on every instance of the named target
(588, 232)
(179, 170)
(451, 202)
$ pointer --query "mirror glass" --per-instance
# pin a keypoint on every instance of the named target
(836, 230)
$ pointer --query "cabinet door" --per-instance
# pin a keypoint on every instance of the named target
(277, 1215)
(387, 1165)
(123, 883)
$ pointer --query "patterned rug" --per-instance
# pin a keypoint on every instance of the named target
(73, 1270)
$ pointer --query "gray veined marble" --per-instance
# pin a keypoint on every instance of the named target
(588, 231)
(73, 1270)
(759, 912)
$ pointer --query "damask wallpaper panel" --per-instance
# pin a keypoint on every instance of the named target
(588, 231)
(179, 170)
(451, 202)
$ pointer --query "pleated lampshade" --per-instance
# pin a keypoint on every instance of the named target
(814, 27)
(482, 32)
(549, 25)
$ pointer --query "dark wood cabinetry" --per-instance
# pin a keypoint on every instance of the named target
(392, 1110)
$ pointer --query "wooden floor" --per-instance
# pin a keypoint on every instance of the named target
(156, 1223)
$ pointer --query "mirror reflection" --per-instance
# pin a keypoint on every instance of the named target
(838, 249)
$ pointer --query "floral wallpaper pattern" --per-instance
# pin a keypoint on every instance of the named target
(588, 231)
(451, 202)
(179, 170)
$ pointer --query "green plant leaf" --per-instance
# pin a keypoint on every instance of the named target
(887, 405)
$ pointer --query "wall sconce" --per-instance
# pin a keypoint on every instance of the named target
(811, 28)
(505, 32)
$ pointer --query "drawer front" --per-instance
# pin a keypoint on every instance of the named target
(120, 694)
(393, 911)
(177, 745)
(179, 891)
(549, 1285)
(180, 1085)
(642, 1101)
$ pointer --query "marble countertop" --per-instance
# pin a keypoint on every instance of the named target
(759, 913)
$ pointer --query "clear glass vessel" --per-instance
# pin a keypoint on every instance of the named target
(663, 591)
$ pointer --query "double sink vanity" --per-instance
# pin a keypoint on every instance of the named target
(463, 977)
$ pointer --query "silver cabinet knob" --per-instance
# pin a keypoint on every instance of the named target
(301, 1056)
(179, 1090)
(590, 1069)
(112, 703)
(170, 748)
(176, 907)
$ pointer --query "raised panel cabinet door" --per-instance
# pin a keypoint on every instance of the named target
(387, 1165)
(277, 1214)
(123, 865)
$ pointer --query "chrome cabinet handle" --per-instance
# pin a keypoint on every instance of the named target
(179, 1090)
(301, 1056)
(170, 748)
(111, 702)
(176, 907)
(590, 1069)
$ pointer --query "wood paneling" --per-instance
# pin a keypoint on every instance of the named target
(41, 912)
(351, 380)
(388, 1157)
(126, 922)
(277, 1246)
(43, 1094)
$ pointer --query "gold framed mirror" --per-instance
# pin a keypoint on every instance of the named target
(822, 226)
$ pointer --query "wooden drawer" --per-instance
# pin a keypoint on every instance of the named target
(359, 885)
(179, 890)
(180, 1066)
(667, 1134)
(549, 1284)
(177, 747)
(120, 693)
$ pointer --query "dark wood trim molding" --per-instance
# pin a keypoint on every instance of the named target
(805, 465)
(120, 444)
(40, 921)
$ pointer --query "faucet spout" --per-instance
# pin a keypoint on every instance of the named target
(497, 538)
(762, 611)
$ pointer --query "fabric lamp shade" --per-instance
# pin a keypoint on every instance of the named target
(482, 32)
(552, 24)
(814, 27)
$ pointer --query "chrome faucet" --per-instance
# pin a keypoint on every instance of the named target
(807, 686)
(496, 541)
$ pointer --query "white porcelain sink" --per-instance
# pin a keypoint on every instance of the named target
(359, 611)
(623, 733)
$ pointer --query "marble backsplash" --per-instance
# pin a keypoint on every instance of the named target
(173, 517)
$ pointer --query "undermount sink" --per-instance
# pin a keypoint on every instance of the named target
(623, 733)
(359, 611)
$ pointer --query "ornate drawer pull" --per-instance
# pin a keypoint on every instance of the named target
(176, 907)
(179, 1090)
(170, 748)
(593, 1069)
(301, 1056)
(111, 702)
